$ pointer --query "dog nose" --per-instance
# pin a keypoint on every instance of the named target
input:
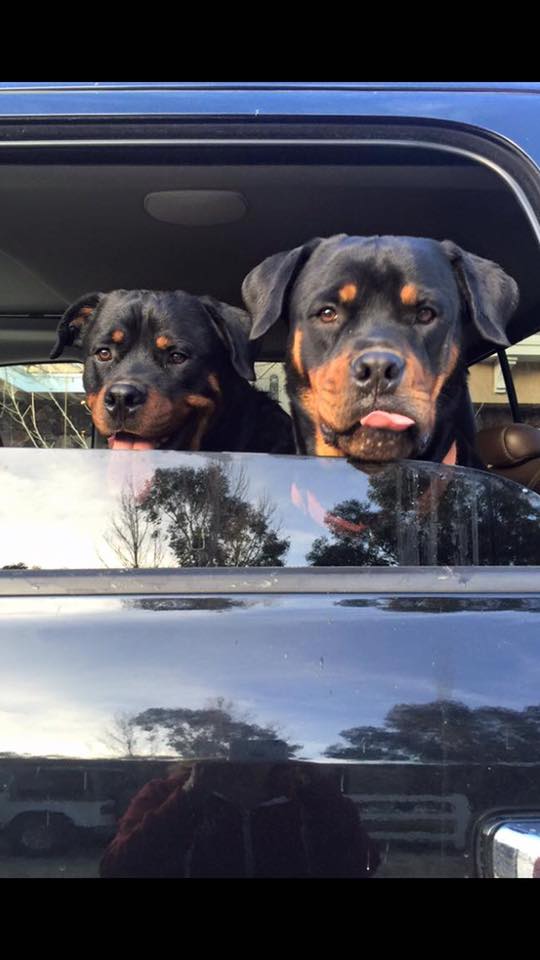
(378, 370)
(124, 398)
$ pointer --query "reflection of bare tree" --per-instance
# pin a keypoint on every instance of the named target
(121, 736)
(132, 537)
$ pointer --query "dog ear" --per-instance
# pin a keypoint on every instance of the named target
(265, 288)
(233, 326)
(490, 294)
(69, 331)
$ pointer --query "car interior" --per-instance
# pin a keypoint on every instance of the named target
(164, 221)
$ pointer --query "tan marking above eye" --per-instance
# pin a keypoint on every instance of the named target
(163, 342)
(409, 294)
(118, 336)
(348, 292)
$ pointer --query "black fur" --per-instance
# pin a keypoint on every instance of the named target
(171, 370)
(350, 303)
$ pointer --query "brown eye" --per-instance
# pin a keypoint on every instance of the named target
(104, 354)
(425, 315)
(327, 315)
(177, 358)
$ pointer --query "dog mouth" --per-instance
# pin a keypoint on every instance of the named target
(123, 440)
(378, 436)
(381, 420)
(385, 420)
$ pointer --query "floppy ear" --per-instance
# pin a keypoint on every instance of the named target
(69, 331)
(233, 325)
(265, 288)
(490, 294)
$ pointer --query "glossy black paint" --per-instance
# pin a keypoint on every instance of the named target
(427, 706)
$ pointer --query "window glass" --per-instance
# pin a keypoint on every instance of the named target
(168, 509)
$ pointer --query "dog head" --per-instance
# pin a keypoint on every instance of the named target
(375, 335)
(156, 365)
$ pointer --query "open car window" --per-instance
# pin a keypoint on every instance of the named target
(165, 509)
(488, 389)
(43, 405)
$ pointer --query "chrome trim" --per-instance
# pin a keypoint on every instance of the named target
(520, 582)
(512, 848)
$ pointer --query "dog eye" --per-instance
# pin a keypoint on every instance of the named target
(425, 315)
(104, 354)
(177, 358)
(327, 315)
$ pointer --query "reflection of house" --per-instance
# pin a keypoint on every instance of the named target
(488, 390)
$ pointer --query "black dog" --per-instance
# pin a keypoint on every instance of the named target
(169, 370)
(375, 365)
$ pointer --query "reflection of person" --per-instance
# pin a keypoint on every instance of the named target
(230, 819)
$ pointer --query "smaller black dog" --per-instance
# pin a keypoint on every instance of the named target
(170, 371)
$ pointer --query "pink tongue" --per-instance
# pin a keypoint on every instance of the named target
(386, 421)
(125, 444)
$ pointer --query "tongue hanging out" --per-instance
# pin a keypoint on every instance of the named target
(382, 420)
(129, 441)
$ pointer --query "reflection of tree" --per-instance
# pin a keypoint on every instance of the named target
(469, 604)
(207, 519)
(121, 736)
(168, 604)
(426, 515)
(446, 730)
(206, 732)
(131, 536)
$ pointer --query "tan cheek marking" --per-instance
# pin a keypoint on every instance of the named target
(118, 336)
(348, 292)
(197, 400)
(205, 409)
(214, 383)
(163, 342)
(331, 385)
(309, 403)
(296, 352)
(409, 294)
(446, 373)
(95, 403)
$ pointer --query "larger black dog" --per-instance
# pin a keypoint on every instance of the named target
(170, 370)
(375, 365)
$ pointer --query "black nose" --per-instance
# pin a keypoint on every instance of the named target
(378, 371)
(124, 398)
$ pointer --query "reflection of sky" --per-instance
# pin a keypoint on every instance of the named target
(305, 663)
(57, 506)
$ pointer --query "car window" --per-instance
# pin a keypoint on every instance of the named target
(488, 390)
(271, 379)
(43, 405)
(169, 509)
